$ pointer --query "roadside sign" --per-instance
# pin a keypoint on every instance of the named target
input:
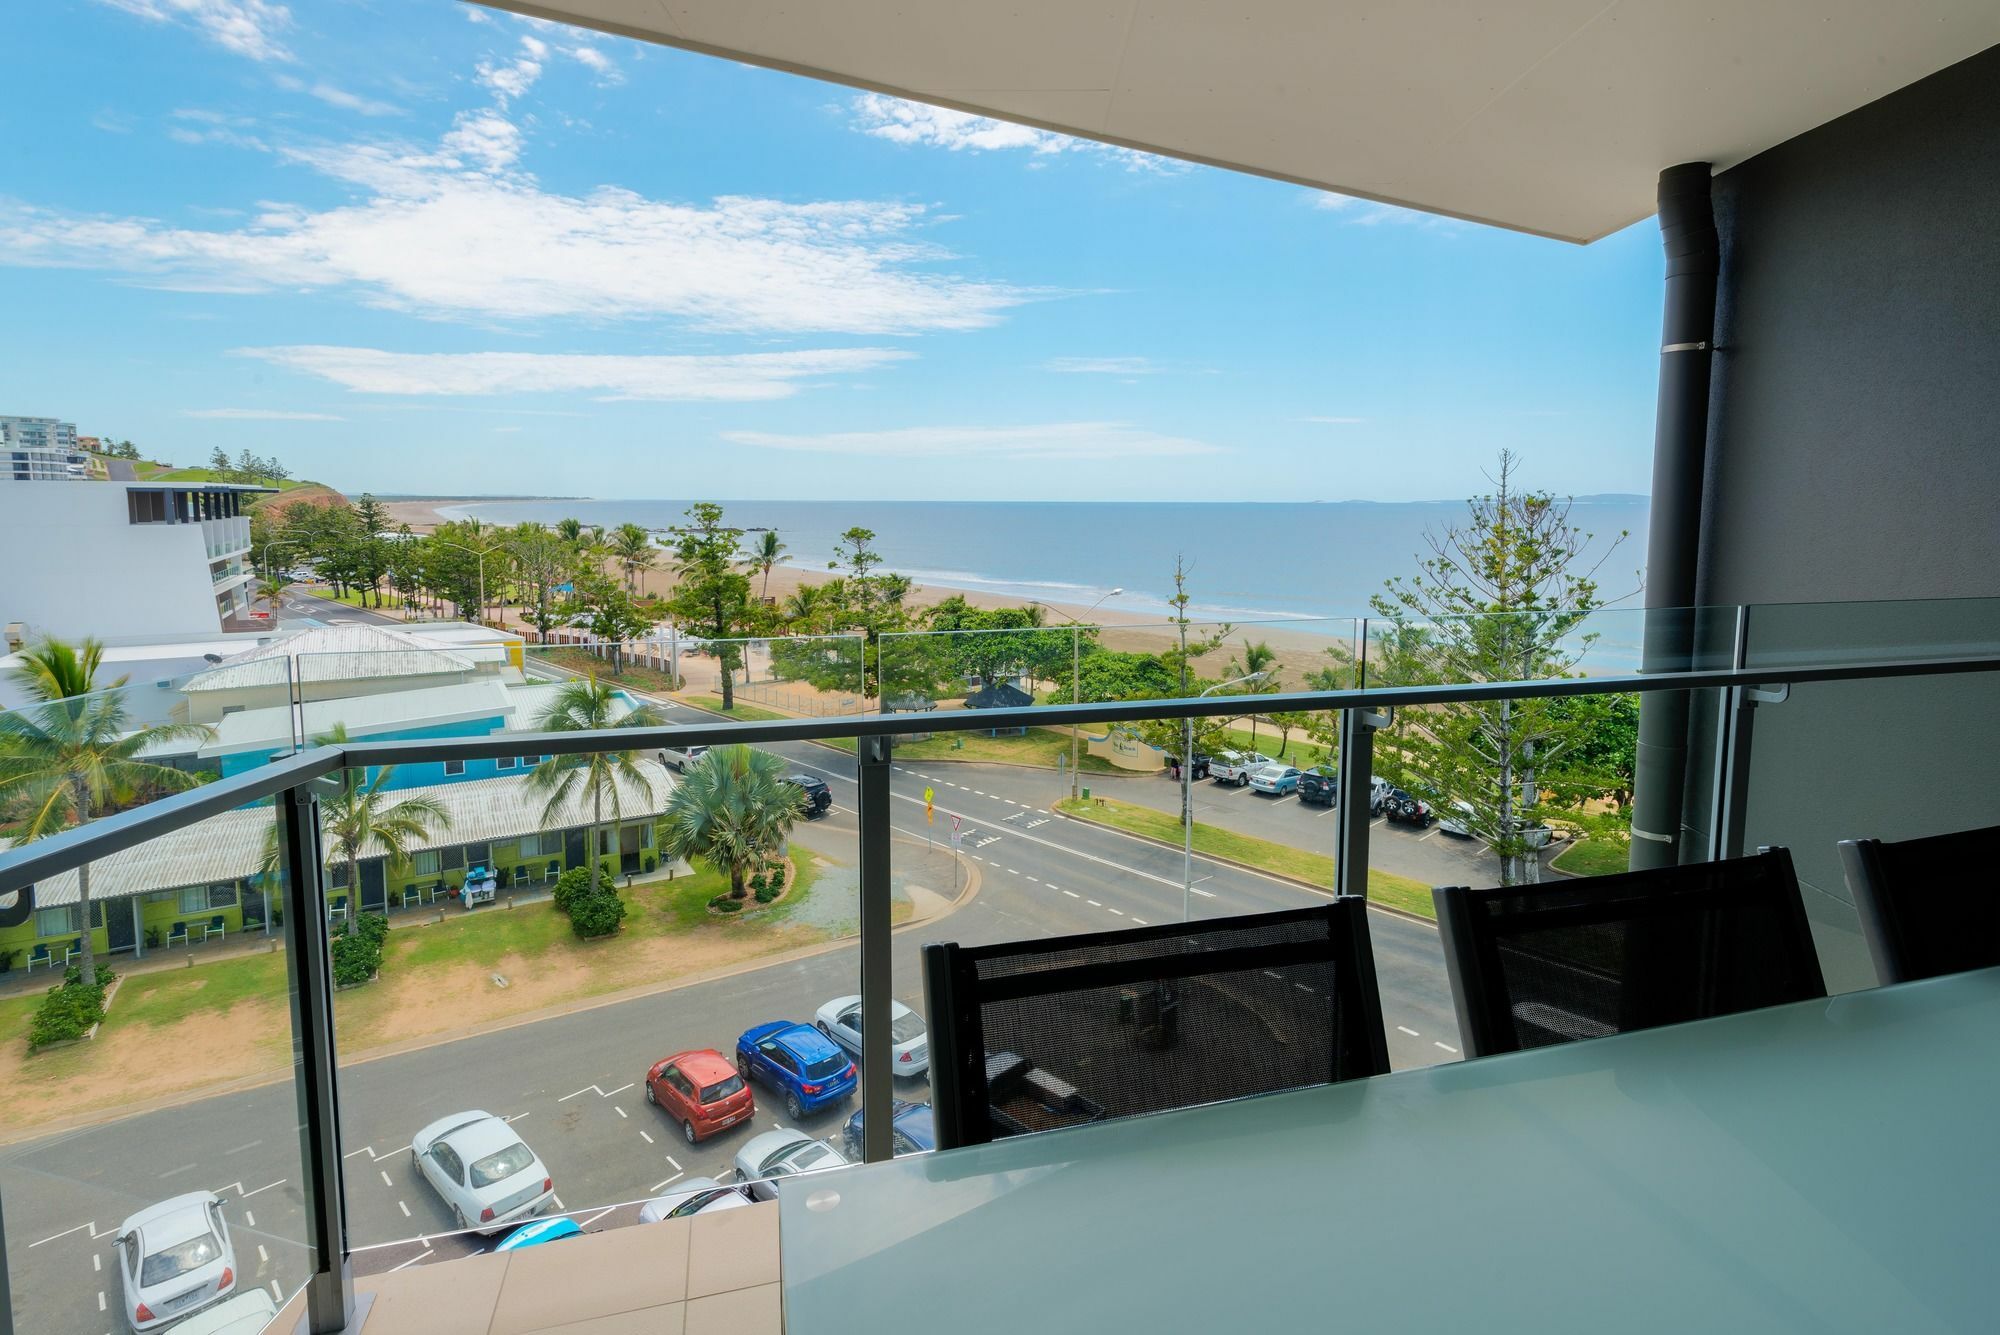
(956, 837)
(930, 811)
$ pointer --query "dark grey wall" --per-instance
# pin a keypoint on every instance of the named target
(1854, 453)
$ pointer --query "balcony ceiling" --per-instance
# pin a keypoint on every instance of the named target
(1547, 116)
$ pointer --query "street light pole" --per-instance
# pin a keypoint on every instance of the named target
(1076, 680)
(1187, 793)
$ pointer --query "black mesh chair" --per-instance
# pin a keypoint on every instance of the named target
(1036, 1035)
(1928, 906)
(1534, 965)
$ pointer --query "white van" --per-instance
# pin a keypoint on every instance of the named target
(680, 757)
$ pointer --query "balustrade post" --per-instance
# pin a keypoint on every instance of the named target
(877, 1055)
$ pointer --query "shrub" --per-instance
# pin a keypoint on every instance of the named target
(757, 883)
(724, 904)
(766, 893)
(73, 975)
(357, 951)
(373, 928)
(570, 886)
(69, 1009)
(598, 914)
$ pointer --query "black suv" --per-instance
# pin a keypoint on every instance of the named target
(1200, 765)
(1319, 785)
(818, 798)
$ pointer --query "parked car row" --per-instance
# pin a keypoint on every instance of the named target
(1319, 785)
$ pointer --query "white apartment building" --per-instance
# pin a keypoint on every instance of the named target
(127, 562)
(40, 449)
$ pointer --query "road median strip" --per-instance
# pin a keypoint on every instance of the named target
(1400, 894)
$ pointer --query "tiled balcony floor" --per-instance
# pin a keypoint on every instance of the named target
(708, 1275)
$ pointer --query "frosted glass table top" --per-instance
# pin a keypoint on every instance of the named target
(1826, 1166)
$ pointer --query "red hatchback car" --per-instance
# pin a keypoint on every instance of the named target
(702, 1091)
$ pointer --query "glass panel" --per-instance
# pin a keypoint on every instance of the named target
(174, 1122)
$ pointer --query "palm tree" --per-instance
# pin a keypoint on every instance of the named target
(76, 755)
(1257, 657)
(633, 547)
(584, 705)
(733, 809)
(362, 820)
(570, 529)
(271, 591)
(801, 609)
(765, 555)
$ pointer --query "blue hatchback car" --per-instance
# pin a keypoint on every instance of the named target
(799, 1062)
(911, 1130)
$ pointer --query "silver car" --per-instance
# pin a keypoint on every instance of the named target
(840, 1020)
(697, 1195)
(485, 1174)
(777, 1154)
(175, 1259)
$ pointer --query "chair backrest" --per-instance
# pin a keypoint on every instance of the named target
(1587, 957)
(1036, 1035)
(1927, 906)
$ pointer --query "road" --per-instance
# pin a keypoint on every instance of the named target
(572, 1085)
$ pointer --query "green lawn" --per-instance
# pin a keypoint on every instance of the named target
(1400, 892)
(354, 597)
(1039, 746)
(172, 995)
(210, 475)
(1595, 855)
(743, 712)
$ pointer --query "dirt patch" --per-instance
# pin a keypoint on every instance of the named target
(99, 1074)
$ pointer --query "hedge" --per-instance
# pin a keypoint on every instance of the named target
(70, 1008)
(357, 949)
(596, 915)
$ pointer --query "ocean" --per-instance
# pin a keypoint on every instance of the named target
(1247, 562)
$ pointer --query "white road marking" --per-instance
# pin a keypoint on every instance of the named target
(385, 1178)
(1273, 973)
(1301, 987)
(1119, 912)
(264, 1257)
(594, 1218)
(176, 1172)
(100, 1300)
(677, 1163)
(512, 1118)
(667, 1183)
(404, 1208)
(1010, 871)
(240, 1148)
(1446, 1046)
(1205, 894)
(592, 1089)
(92, 1226)
(1053, 886)
(1093, 903)
(1411, 1032)
(648, 1139)
(1039, 820)
(558, 1200)
(975, 792)
(1432, 831)
(420, 1256)
(620, 1111)
(277, 1293)
(96, 1262)
(1373, 824)
(250, 1219)
(1140, 921)
(246, 1195)
(373, 1157)
(1036, 879)
(1073, 894)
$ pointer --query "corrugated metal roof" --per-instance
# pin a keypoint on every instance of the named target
(231, 846)
(330, 653)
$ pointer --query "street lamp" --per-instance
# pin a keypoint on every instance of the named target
(1076, 676)
(1187, 793)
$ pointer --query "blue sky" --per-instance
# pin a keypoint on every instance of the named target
(416, 246)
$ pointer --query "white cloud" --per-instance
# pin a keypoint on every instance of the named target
(258, 415)
(1367, 213)
(593, 60)
(510, 79)
(456, 232)
(1100, 366)
(730, 378)
(1050, 441)
(904, 122)
(338, 97)
(247, 27)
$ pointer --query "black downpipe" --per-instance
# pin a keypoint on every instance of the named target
(1673, 546)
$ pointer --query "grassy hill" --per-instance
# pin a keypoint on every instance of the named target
(205, 475)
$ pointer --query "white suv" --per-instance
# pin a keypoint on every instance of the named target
(1237, 766)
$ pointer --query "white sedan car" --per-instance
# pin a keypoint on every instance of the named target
(175, 1259)
(777, 1154)
(485, 1174)
(840, 1020)
(696, 1195)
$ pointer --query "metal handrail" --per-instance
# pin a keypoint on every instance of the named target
(25, 865)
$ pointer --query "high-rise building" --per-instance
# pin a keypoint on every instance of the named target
(40, 449)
